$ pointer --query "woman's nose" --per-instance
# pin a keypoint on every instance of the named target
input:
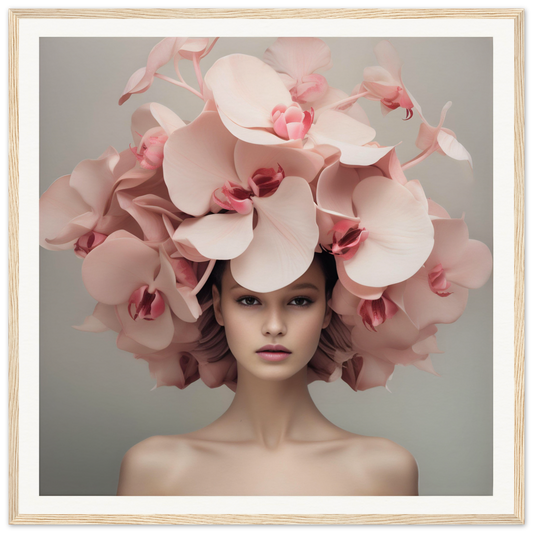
(274, 323)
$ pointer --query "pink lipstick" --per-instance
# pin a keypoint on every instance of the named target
(273, 352)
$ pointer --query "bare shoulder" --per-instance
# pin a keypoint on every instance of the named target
(144, 470)
(390, 469)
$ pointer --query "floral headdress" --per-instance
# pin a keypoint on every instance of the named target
(278, 166)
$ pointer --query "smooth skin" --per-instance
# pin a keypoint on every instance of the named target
(272, 440)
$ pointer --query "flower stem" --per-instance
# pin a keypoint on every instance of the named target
(179, 84)
(420, 157)
(198, 72)
(350, 100)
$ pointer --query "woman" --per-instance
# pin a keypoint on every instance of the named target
(272, 440)
(268, 171)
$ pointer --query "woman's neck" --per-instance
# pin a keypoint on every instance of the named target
(274, 412)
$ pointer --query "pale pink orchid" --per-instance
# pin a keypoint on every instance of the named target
(381, 222)
(378, 324)
(296, 60)
(156, 122)
(364, 371)
(438, 292)
(141, 283)
(148, 210)
(255, 106)
(384, 83)
(170, 48)
(206, 167)
(438, 139)
(105, 317)
(74, 211)
(172, 367)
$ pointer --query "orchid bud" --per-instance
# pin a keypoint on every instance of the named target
(291, 122)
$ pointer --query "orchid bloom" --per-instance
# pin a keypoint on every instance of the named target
(105, 317)
(156, 122)
(268, 230)
(170, 48)
(256, 107)
(296, 59)
(172, 367)
(74, 210)
(438, 292)
(392, 338)
(438, 139)
(384, 83)
(364, 371)
(140, 282)
(370, 224)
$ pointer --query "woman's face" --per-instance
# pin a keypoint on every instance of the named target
(273, 335)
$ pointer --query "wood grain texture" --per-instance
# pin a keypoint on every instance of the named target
(13, 267)
(279, 519)
(519, 370)
(15, 15)
(268, 13)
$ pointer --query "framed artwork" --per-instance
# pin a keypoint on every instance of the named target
(78, 403)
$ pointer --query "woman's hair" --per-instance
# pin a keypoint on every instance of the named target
(334, 346)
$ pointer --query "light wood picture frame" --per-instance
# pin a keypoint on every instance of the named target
(25, 27)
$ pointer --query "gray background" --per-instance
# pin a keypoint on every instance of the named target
(95, 400)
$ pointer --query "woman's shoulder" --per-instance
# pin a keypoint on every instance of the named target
(390, 468)
(145, 466)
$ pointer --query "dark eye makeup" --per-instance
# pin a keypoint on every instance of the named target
(251, 301)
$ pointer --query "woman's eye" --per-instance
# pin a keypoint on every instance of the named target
(247, 301)
(301, 301)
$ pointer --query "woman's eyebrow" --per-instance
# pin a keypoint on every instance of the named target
(301, 286)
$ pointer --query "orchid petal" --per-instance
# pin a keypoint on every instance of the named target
(283, 241)
(160, 54)
(367, 293)
(118, 267)
(298, 56)
(293, 161)
(474, 267)
(453, 148)
(246, 90)
(57, 207)
(156, 334)
(400, 233)
(198, 159)
(166, 283)
(218, 236)
(424, 307)
(94, 179)
(166, 118)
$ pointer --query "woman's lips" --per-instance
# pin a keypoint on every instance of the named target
(273, 352)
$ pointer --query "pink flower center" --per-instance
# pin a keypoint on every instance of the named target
(184, 273)
(309, 88)
(292, 122)
(88, 242)
(146, 305)
(233, 198)
(375, 312)
(347, 237)
(438, 282)
(400, 100)
(150, 151)
(263, 183)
